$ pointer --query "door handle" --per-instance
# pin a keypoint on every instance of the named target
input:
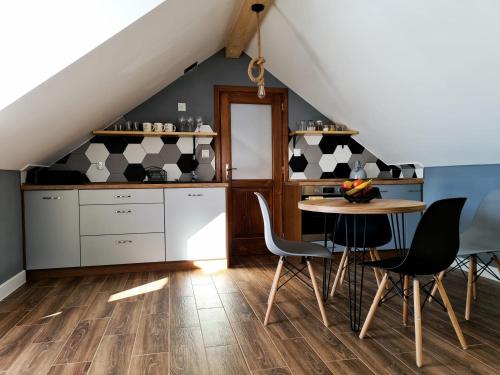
(52, 198)
(228, 169)
(123, 196)
(123, 211)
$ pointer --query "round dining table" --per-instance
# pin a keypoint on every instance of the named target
(394, 208)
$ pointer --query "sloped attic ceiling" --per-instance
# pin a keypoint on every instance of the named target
(59, 114)
(418, 79)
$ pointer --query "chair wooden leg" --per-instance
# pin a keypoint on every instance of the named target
(418, 321)
(373, 307)
(497, 262)
(451, 314)
(344, 268)
(339, 272)
(406, 286)
(435, 287)
(274, 287)
(474, 288)
(317, 292)
(375, 270)
(470, 287)
(376, 254)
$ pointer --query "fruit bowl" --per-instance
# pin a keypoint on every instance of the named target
(363, 196)
(359, 191)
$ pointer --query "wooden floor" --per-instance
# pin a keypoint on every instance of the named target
(199, 323)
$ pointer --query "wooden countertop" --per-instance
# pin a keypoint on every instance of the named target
(339, 181)
(376, 206)
(124, 185)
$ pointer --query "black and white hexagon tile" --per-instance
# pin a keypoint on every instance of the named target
(122, 159)
(119, 159)
(316, 157)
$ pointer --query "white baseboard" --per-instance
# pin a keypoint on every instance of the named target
(12, 284)
(485, 273)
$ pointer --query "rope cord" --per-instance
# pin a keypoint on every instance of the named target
(257, 62)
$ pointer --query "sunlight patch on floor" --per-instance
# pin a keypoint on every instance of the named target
(141, 289)
(211, 266)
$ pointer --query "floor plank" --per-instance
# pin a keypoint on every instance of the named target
(83, 342)
(62, 325)
(152, 336)
(301, 357)
(151, 364)
(36, 359)
(187, 356)
(125, 318)
(226, 360)
(14, 343)
(183, 312)
(113, 356)
(70, 369)
(44, 312)
(215, 327)
(237, 308)
(349, 367)
(258, 349)
(206, 296)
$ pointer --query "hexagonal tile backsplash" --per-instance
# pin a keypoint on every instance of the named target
(119, 159)
(335, 157)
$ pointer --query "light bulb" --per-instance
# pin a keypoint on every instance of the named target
(261, 92)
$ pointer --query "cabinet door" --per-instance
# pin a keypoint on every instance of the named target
(409, 192)
(51, 229)
(195, 223)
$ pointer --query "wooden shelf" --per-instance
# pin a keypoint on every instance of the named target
(125, 133)
(321, 132)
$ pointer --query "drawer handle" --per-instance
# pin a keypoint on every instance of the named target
(123, 211)
(52, 198)
(121, 242)
(384, 191)
(195, 195)
(123, 196)
(413, 191)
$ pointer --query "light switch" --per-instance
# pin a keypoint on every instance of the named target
(100, 165)
(297, 152)
(205, 154)
(181, 107)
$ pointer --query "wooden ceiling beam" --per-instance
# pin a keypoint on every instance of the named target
(244, 28)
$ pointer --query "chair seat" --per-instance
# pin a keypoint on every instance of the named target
(465, 251)
(302, 249)
(395, 264)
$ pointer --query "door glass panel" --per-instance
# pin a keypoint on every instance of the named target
(251, 141)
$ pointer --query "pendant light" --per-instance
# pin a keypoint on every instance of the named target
(258, 62)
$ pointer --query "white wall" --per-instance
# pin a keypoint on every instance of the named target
(58, 115)
(419, 79)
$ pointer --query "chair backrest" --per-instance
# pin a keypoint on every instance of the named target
(485, 227)
(437, 237)
(269, 235)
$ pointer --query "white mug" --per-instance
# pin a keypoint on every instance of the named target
(170, 127)
(147, 126)
(158, 127)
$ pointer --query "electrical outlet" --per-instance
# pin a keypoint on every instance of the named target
(205, 154)
(297, 152)
(181, 107)
(100, 165)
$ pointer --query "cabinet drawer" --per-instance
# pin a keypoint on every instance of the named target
(121, 196)
(121, 219)
(121, 249)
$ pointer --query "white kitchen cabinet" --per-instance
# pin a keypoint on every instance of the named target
(51, 229)
(195, 223)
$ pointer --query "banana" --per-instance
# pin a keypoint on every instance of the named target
(359, 187)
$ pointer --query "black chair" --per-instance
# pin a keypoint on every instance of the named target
(433, 249)
(378, 233)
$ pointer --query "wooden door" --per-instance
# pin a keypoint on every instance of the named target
(235, 104)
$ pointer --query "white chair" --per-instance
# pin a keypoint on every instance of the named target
(481, 238)
(285, 249)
